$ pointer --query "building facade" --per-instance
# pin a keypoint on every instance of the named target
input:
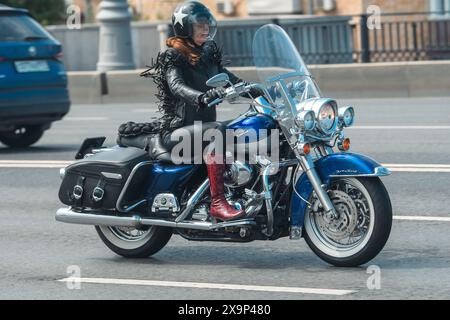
(161, 10)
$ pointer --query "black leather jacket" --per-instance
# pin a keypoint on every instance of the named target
(181, 85)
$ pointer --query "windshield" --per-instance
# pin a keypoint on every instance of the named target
(275, 57)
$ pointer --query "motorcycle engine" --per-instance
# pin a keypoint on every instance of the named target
(238, 174)
(238, 177)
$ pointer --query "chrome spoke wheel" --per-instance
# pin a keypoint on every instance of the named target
(130, 242)
(127, 237)
(128, 233)
(348, 233)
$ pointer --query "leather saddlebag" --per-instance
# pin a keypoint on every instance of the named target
(97, 180)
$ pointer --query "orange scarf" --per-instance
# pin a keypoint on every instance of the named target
(185, 47)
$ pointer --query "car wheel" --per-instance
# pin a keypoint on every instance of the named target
(22, 137)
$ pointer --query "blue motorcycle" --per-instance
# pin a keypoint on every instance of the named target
(308, 186)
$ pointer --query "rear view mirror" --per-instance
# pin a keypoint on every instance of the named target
(220, 80)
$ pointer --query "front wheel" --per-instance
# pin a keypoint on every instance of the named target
(134, 243)
(362, 227)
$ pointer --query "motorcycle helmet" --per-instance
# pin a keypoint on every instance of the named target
(190, 13)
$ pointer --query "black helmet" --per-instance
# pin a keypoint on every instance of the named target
(189, 13)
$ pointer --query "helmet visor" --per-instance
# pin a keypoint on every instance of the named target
(204, 26)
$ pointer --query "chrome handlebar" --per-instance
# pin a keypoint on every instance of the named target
(233, 92)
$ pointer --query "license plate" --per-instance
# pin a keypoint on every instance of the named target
(32, 66)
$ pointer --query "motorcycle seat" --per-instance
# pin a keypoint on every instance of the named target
(152, 143)
(160, 149)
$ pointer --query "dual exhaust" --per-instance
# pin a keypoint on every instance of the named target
(67, 215)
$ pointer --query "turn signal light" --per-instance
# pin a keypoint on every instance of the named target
(344, 145)
(306, 148)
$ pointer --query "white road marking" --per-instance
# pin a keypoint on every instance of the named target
(418, 167)
(34, 164)
(37, 161)
(86, 119)
(204, 285)
(442, 168)
(401, 127)
(409, 169)
(422, 218)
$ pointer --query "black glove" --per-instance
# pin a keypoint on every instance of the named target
(211, 95)
(254, 92)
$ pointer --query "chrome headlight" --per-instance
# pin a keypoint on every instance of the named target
(346, 116)
(305, 120)
(325, 111)
(326, 118)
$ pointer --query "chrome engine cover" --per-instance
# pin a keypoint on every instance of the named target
(165, 202)
(238, 174)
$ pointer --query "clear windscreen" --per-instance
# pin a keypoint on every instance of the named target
(275, 56)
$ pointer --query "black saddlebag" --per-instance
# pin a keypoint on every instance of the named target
(97, 181)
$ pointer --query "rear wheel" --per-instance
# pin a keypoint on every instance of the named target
(134, 243)
(22, 137)
(362, 228)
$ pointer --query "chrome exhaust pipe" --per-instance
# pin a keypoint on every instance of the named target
(67, 215)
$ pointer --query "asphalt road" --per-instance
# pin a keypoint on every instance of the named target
(411, 135)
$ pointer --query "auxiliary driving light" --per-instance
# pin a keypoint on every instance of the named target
(346, 116)
(306, 120)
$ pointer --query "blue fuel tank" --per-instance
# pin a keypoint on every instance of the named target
(254, 122)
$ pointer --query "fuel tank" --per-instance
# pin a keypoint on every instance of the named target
(254, 125)
(254, 135)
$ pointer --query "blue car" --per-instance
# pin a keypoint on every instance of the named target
(33, 81)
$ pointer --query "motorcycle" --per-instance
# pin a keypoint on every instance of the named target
(137, 198)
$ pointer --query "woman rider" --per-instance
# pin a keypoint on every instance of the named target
(181, 73)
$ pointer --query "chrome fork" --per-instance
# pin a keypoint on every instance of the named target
(310, 170)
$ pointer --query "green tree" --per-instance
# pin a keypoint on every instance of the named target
(45, 11)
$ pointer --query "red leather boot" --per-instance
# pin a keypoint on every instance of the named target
(220, 208)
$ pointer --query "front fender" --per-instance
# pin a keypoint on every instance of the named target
(329, 167)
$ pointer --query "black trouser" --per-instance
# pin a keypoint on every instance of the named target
(196, 149)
